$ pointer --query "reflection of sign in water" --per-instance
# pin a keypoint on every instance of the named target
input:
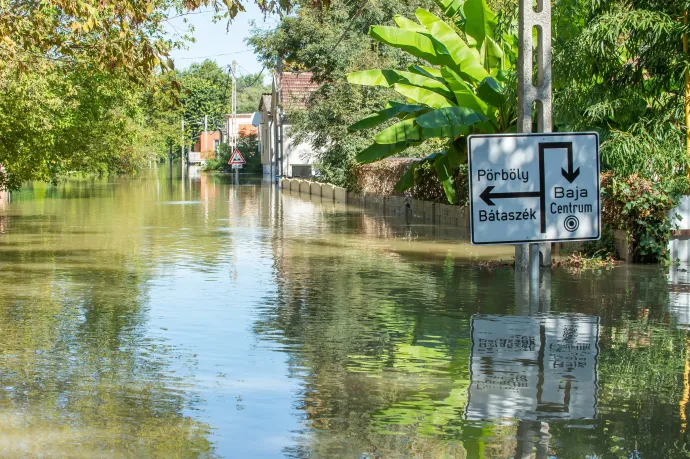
(533, 368)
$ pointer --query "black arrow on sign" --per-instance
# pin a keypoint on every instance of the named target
(487, 195)
(570, 175)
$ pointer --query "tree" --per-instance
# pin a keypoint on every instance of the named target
(620, 68)
(330, 44)
(206, 91)
(466, 88)
(74, 76)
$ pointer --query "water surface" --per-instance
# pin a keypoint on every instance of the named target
(173, 316)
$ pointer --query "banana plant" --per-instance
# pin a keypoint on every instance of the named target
(465, 87)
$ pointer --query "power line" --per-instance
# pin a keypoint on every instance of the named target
(248, 73)
(215, 55)
(258, 76)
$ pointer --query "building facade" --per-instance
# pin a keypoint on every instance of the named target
(281, 155)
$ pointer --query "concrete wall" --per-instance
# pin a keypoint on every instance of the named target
(679, 245)
(315, 189)
(624, 248)
(432, 213)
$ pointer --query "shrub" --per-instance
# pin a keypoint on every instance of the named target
(380, 178)
(640, 207)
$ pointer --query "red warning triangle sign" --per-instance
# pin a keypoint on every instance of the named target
(236, 158)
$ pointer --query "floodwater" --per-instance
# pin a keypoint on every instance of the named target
(169, 316)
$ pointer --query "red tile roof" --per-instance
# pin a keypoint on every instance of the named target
(297, 87)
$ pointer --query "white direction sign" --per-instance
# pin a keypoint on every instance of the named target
(534, 187)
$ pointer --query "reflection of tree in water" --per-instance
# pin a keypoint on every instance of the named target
(387, 364)
(382, 343)
(80, 374)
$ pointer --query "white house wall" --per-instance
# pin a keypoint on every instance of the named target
(295, 154)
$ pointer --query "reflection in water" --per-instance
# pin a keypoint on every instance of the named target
(533, 368)
(383, 339)
(184, 315)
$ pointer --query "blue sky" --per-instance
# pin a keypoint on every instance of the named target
(213, 41)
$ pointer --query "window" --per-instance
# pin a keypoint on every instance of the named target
(301, 171)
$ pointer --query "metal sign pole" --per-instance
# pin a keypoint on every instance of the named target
(537, 96)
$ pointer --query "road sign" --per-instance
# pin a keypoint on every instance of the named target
(237, 166)
(534, 188)
(237, 158)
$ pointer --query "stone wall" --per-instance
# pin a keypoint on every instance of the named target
(433, 213)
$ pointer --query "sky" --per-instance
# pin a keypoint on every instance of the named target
(214, 42)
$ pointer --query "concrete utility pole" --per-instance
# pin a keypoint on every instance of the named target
(182, 143)
(204, 147)
(686, 50)
(277, 84)
(534, 95)
(233, 118)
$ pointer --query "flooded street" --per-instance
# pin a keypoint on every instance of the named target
(193, 317)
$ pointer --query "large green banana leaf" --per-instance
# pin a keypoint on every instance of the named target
(464, 59)
(405, 23)
(449, 118)
(378, 151)
(426, 71)
(480, 22)
(400, 132)
(423, 96)
(444, 170)
(491, 92)
(464, 93)
(451, 8)
(384, 115)
(445, 122)
(390, 77)
(415, 43)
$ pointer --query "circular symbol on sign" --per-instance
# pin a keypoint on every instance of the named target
(571, 223)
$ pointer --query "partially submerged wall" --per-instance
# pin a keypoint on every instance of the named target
(434, 213)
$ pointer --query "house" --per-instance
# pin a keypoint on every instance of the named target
(244, 127)
(206, 147)
(280, 154)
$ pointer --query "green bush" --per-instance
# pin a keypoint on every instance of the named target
(641, 207)
(248, 146)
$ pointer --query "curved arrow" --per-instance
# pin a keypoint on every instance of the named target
(487, 196)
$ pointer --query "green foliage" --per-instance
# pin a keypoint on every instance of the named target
(88, 86)
(248, 146)
(69, 120)
(641, 208)
(619, 69)
(468, 92)
(311, 40)
(206, 91)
